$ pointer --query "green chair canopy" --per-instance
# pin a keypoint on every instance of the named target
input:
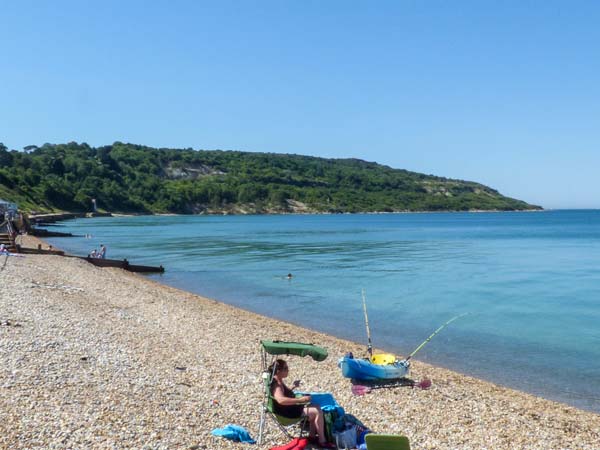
(294, 348)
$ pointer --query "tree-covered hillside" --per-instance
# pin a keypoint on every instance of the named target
(133, 178)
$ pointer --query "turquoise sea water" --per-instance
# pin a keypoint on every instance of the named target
(530, 281)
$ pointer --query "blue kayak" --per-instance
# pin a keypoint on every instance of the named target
(364, 369)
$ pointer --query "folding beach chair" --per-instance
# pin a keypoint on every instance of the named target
(386, 442)
(269, 352)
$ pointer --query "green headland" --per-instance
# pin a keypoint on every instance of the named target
(130, 178)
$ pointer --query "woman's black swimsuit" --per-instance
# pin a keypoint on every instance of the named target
(289, 411)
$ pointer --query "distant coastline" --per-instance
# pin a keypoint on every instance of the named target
(67, 215)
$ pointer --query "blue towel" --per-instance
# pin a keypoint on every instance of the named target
(326, 401)
(235, 433)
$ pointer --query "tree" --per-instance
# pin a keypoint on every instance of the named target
(58, 167)
(5, 157)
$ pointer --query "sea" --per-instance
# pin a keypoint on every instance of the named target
(528, 281)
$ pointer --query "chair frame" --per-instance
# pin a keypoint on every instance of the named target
(285, 424)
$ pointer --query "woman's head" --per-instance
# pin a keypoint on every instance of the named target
(279, 367)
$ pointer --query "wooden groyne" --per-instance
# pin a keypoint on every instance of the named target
(53, 217)
(49, 219)
(122, 264)
(99, 262)
(37, 220)
(42, 232)
(39, 251)
(57, 217)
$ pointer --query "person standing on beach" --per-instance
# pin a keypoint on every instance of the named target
(102, 253)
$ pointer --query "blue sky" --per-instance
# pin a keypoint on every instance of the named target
(503, 93)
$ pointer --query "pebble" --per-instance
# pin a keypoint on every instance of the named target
(139, 365)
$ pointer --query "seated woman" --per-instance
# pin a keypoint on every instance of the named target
(286, 404)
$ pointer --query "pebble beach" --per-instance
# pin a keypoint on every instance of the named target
(103, 358)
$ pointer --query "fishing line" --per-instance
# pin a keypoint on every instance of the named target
(434, 333)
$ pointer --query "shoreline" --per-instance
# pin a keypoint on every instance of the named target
(300, 213)
(101, 357)
(570, 388)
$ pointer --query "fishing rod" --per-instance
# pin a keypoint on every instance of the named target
(369, 346)
(434, 333)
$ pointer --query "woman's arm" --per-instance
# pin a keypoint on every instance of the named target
(278, 395)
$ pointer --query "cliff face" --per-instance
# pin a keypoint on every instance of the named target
(132, 178)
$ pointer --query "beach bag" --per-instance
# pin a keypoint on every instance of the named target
(360, 440)
(329, 418)
(361, 428)
(345, 439)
